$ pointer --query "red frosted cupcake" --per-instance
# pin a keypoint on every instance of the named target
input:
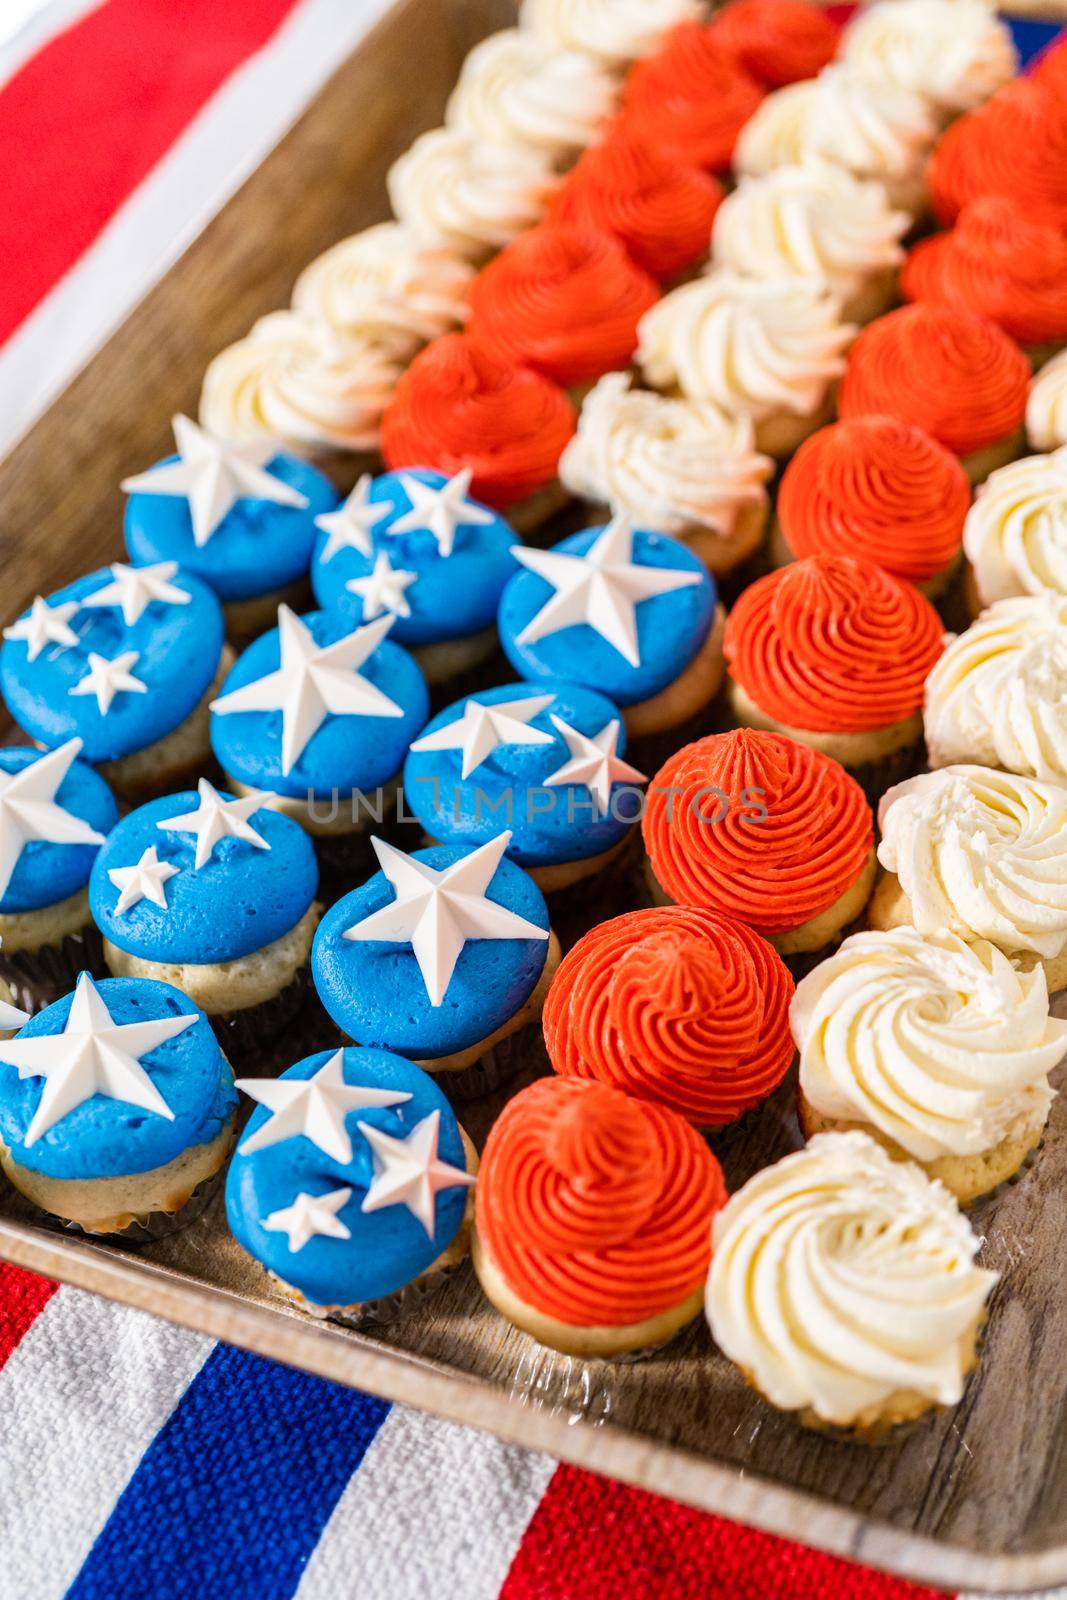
(776, 41)
(563, 300)
(949, 371)
(758, 827)
(461, 405)
(691, 99)
(1050, 69)
(879, 489)
(661, 209)
(1014, 145)
(678, 1006)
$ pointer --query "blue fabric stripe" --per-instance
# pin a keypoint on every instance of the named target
(231, 1497)
(1031, 35)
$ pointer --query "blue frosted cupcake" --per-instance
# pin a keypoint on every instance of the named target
(241, 517)
(127, 660)
(630, 613)
(54, 814)
(116, 1108)
(542, 759)
(352, 1185)
(215, 895)
(444, 956)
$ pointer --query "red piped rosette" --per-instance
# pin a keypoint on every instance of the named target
(792, 836)
(1050, 69)
(596, 1209)
(1014, 145)
(564, 300)
(691, 98)
(777, 41)
(879, 489)
(947, 370)
(461, 405)
(681, 1007)
(833, 645)
(662, 210)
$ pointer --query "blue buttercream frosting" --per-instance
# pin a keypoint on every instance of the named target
(258, 546)
(375, 992)
(177, 647)
(239, 901)
(105, 1138)
(670, 627)
(452, 596)
(46, 873)
(509, 789)
(388, 1247)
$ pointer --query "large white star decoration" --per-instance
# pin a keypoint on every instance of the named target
(144, 880)
(594, 763)
(213, 475)
(45, 624)
(436, 912)
(29, 810)
(440, 511)
(315, 1107)
(313, 682)
(93, 1055)
(352, 525)
(409, 1172)
(383, 589)
(309, 1216)
(603, 588)
(483, 727)
(107, 678)
(134, 589)
(10, 1016)
(216, 818)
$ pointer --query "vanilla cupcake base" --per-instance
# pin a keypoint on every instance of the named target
(873, 298)
(979, 465)
(782, 434)
(932, 587)
(690, 692)
(448, 658)
(851, 749)
(176, 759)
(247, 619)
(565, 874)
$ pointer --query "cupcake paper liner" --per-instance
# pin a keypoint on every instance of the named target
(38, 977)
(242, 1033)
(501, 1063)
(154, 1224)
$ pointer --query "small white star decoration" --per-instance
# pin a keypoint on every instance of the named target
(213, 475)
(315, 1107)
(133, 589)
(594, 763)
(29, 810)
(409, 1172)
(352, 525)
(440, 511)
(309, 1216)
(108, 677)
(45, 624)
(383, 589)
(437, 911)
(216, 818)
(483, 727)
(145, 880)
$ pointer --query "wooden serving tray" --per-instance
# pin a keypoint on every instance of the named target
(973, 1499)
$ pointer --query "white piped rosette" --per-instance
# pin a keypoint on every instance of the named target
(1046, 409)
(955, 53)
(616, 31)
(516, 88)
(1015, 536)
(455, 189)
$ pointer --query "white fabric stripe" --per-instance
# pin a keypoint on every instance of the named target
(220, 148)
(433, 1506)
(42, 22)
(81, 1398)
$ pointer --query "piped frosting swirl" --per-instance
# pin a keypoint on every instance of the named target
(955, 53)
(516, 88)
(1016, 531)
(691, 98)
(456, 189)
(616, 31)
(1046, 409)
(777, 41)
(1016, 145)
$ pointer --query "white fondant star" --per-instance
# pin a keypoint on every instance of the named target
(315, 1107)
(10, 1016)
(107, 678)
(383, 589)
(602, 588)
(213, 475)
(313, 682)
(134, 588)
(311, 1215)
(594, 763)
(28, 809)
(440, 511)
(352, 525)
(144, 880)
(215, 818)
(409, 1172)
(483, 727)
(44, 624)
(436, 912)
(93, 1055)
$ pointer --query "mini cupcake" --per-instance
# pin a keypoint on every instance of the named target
(949, 371)
(630, 613)
(1014, 146)
(416, 547)
(679, 1007)
(54, 814)
(1046, 408)
(834, 652)
(681, 467)
(352, 1185)
(1015, 536)
(769, 349)
(762, 829)
(460, 406)
(548, 764)
(593, 1219)
(126, 660)
(954, 53)
(614, 31)
(217, 897)
(888, 1260)
(879, 489)
(117, 1109)
(444, 956)
(939, 1049)
(691, 98)
(776, 41)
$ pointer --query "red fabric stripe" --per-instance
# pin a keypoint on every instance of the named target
(89, 116)
(601, 1540)
(23, 1296)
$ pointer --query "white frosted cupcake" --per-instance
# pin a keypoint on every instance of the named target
(456, 189)
(682, 467)
(844, 1286)
(516, 88)
(1046, 409)
(615, 31)
(955, 53)
(1015, 535)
